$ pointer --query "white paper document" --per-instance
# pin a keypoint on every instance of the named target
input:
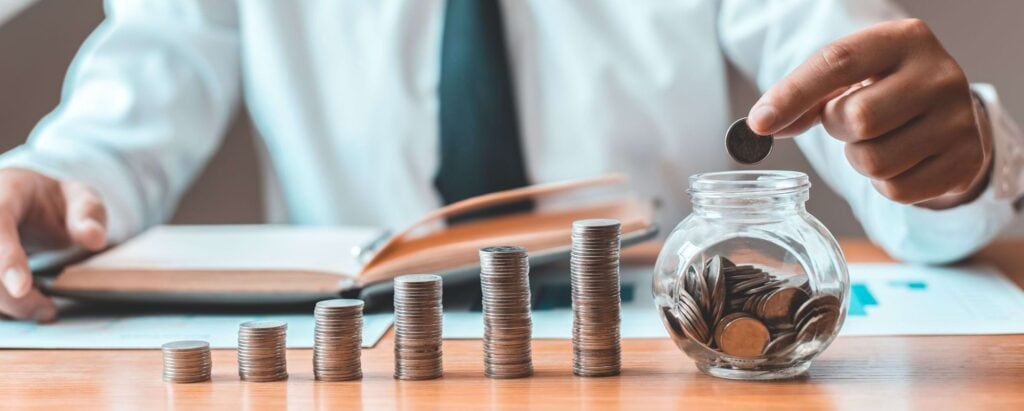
(896, 299)
(885, 299)
(153, 330)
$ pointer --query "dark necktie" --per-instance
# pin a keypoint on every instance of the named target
(479, 131)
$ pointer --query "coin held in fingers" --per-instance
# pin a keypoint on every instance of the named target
(744, 145)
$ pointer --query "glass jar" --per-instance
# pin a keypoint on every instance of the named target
(750, 285)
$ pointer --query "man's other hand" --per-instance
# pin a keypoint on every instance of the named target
(902, 105)
(39, 213)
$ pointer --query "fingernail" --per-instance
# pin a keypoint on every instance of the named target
(91, 233)
(762, 118)
(17, 282)
(89, 224)
(44, 314)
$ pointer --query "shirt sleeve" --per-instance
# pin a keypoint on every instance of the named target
(767, 39)
(144, 105)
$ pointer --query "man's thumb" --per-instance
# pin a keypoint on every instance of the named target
(86, 219)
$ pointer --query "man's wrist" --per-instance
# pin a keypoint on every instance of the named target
(981, 181)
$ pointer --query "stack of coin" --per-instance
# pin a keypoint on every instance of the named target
(261, 351)
(743, 311)
(594, 278)
(186, 361)
(505, 284)
(418, 327)
(338, 340)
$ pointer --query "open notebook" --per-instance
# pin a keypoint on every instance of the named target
(282, 264)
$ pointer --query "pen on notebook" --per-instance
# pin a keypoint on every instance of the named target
(364, 252)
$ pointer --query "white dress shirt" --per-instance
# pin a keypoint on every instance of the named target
(343, 95)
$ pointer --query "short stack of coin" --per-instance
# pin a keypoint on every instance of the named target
(338, 340)
(261, 351)
(418, 327)
(505, 285)
(743, 311)
(187, 361)
(594, 278)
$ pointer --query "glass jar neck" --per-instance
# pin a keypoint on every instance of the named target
(745, 195)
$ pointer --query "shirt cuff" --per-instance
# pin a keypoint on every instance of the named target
(943, 236)
(1007, 145)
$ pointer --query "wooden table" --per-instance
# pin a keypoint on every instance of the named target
(865, 372)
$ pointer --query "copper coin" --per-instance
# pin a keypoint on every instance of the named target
(744, 337)
(721, 325)
(701, 292)
(673, 322)
(814, 302)
(716, 286)
(781, 343)
(780, 305)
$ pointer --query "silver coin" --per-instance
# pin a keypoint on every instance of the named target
(505, 289)
(744, 145)
(337, 340)
(263, 325)
(186, 361)
(595, 291)
(262, 350)
(417, 322)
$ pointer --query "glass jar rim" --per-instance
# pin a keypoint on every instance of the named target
(748, 183)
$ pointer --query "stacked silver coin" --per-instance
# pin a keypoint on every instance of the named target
(505, 284)
(594, 267)
(338, 340)
(418, 327)
(261, 351)
(187, 361)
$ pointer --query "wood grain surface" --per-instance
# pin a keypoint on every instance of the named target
(969, 372)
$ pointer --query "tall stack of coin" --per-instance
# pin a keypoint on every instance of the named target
(261, 351)
(594, 266)
(418, 327)
(505, 284)
(186, 361)
(338, 340)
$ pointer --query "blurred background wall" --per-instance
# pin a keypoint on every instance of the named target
(39, 37)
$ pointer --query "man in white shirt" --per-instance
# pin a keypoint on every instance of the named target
(375, 112)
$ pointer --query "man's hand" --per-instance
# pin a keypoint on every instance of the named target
(902, 105)
(37, 213)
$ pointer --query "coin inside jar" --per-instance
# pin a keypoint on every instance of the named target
(780, 343)
(778, 306)
(744, 311)
(744, 145)
(743, 336)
